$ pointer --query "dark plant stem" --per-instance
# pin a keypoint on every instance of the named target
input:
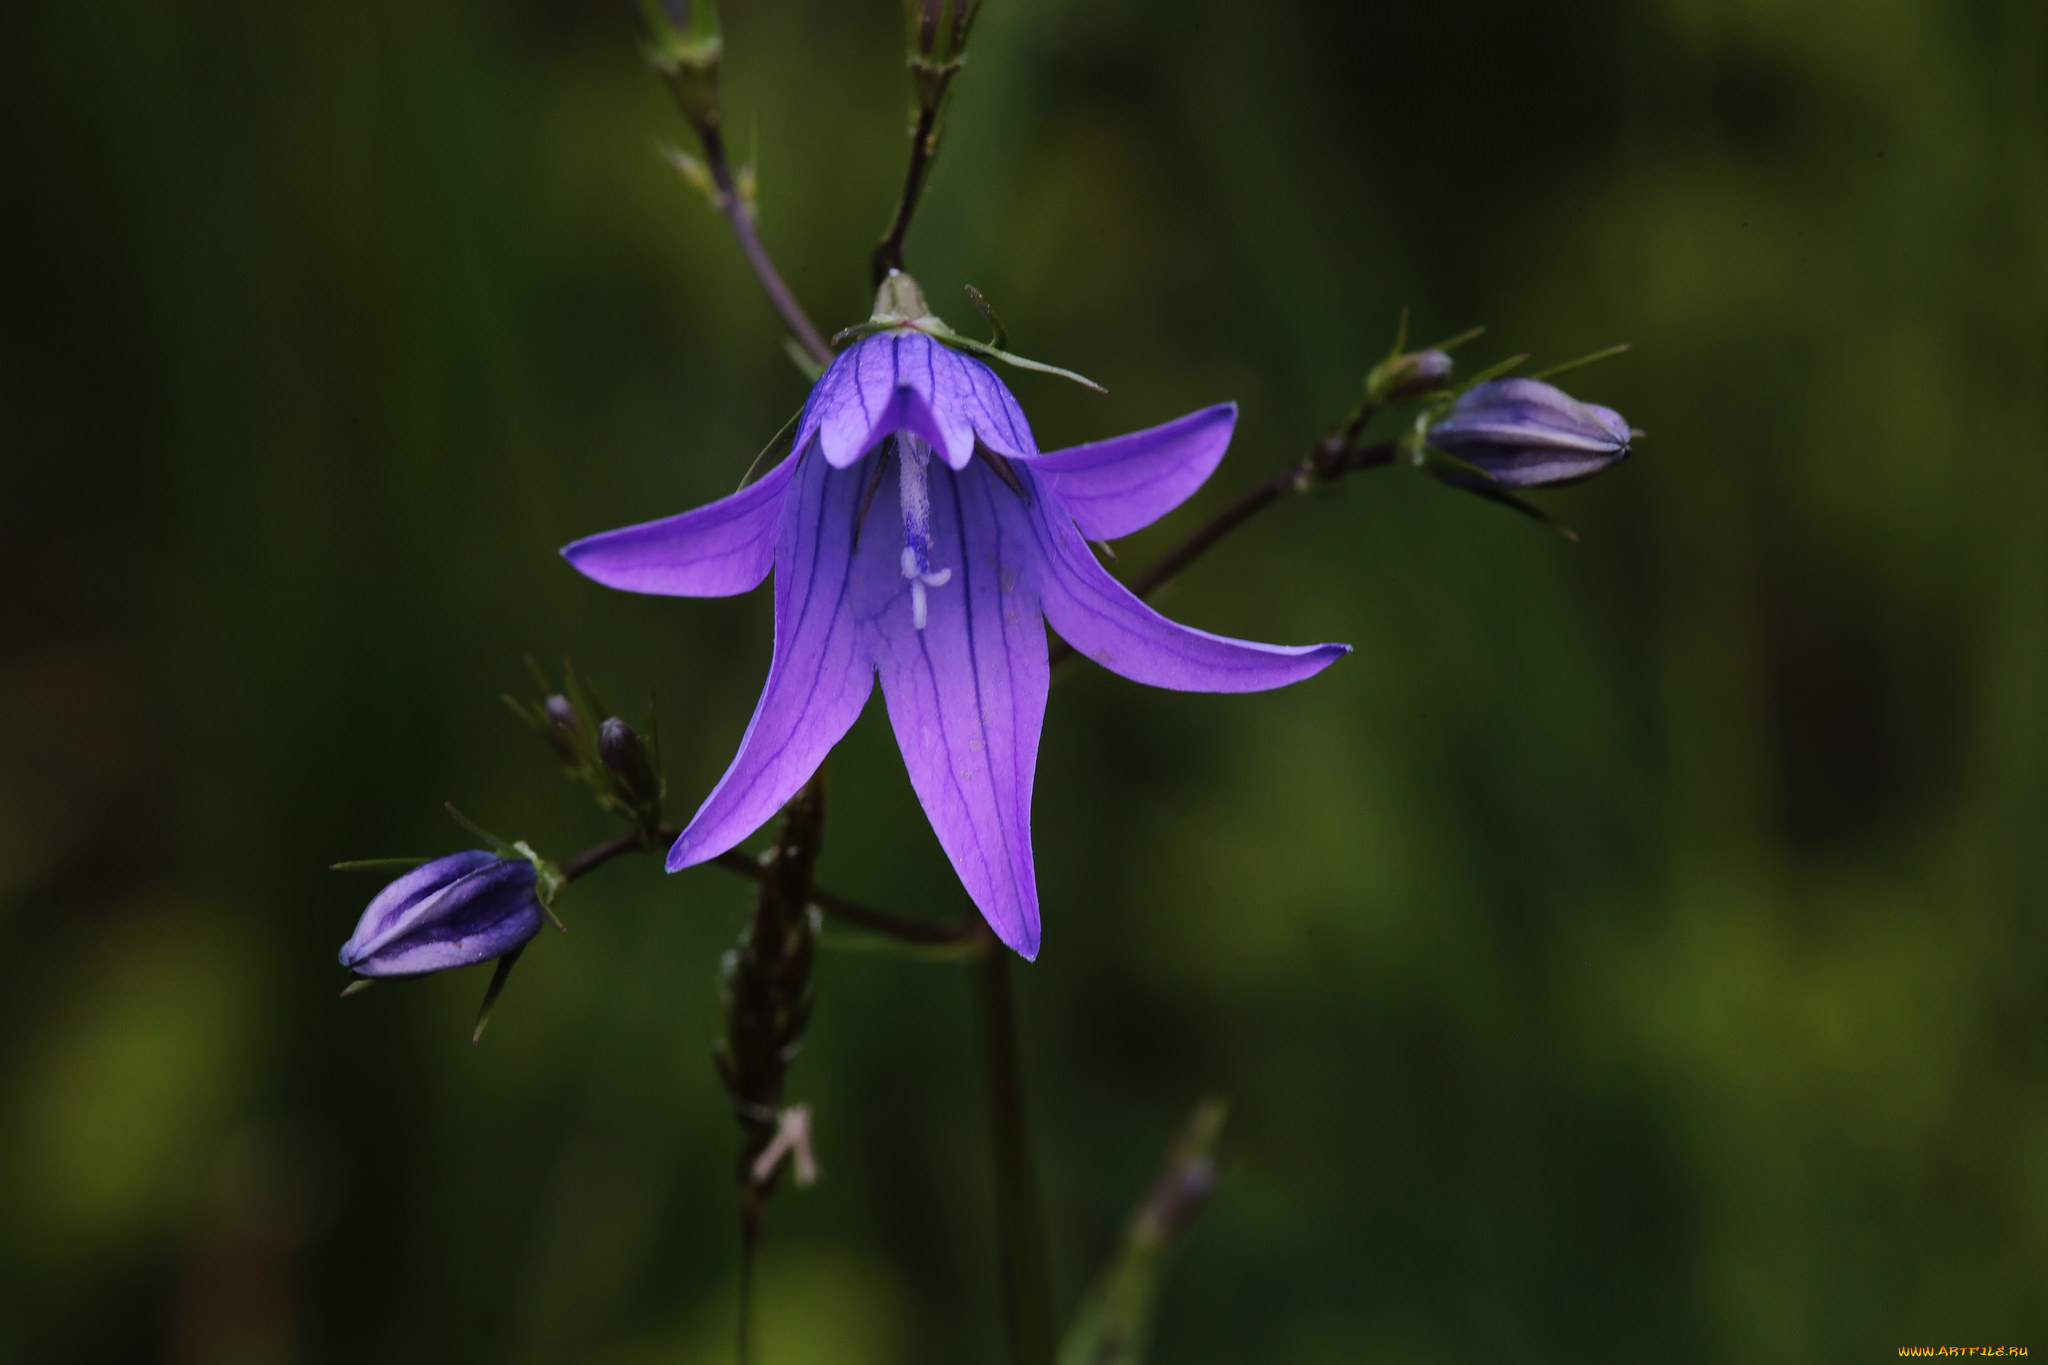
(734, 207)
(1332, 458)
(1026, 1294)
(765, 983)
(923, 933)
(923, 142)
(591, 859)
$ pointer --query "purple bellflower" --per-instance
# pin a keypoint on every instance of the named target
(1528, 434)
(917, 532)
(464, 908)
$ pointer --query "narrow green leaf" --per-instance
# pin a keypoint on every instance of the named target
(1568, 366)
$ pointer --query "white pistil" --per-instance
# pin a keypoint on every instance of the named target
(913, 458)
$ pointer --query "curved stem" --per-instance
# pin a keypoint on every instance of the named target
(734, 207)
(924, 933)
(1331, 459)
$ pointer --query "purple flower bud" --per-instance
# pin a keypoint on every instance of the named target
(1408, 376)
(561, 713)
(467, 907)
(939, 28)
(625, 754)
(1528, 434)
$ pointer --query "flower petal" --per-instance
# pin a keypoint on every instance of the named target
(966, 694)
(818, 680)
(381, 919)
(1528, 412)
(716, 550)
(905, 381)
(965, 385)
(1112, 488)
(456, 943)
(1101, 618)
(479, 915)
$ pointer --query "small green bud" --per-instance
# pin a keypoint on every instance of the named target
(936, 32)
(634, 772)
(1401, 377)
(684, 44)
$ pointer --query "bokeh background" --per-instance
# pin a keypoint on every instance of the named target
(1636, 950)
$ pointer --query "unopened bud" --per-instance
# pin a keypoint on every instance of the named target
(684, 44)
(562, 713)
(626, 757)
(464, 908)
(1524, 433)
(937, 32)
(939, 28)
(1402, 377)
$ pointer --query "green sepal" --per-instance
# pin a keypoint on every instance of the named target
(1527, 509)
(899, 304)
(1568, 366)
(988, 315)
(378, 865)
(498, 846)
(1493, 372)
(981, 348)
(491, 992)
(548, 881)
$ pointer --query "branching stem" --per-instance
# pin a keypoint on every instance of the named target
(923, 933)
(1331, 459)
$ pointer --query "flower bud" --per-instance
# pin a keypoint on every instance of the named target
(1402, 377)
(464, 908)
(684, 43)
(938, 28)
(937, 34)
(1525, 433)
(626, 757)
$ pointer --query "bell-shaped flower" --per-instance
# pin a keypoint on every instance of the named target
(464, 908)
(1525, 433)
(917, 532)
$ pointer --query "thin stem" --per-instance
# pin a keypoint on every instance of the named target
(591, 859)
(924, 933)
(889, 254)
(750, 1239)
(1026, 1295)
(736, 213)
(1331, 459)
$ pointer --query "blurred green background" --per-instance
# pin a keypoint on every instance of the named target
(1634, 951)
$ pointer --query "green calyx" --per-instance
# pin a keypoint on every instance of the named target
(548, 880)
(900, 307)
(684, 44)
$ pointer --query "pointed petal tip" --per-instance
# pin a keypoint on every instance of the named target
(681, 855)
(1021, 939)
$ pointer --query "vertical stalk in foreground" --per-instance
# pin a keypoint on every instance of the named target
(1027, 1296)
(936, 33)
(765, 981)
